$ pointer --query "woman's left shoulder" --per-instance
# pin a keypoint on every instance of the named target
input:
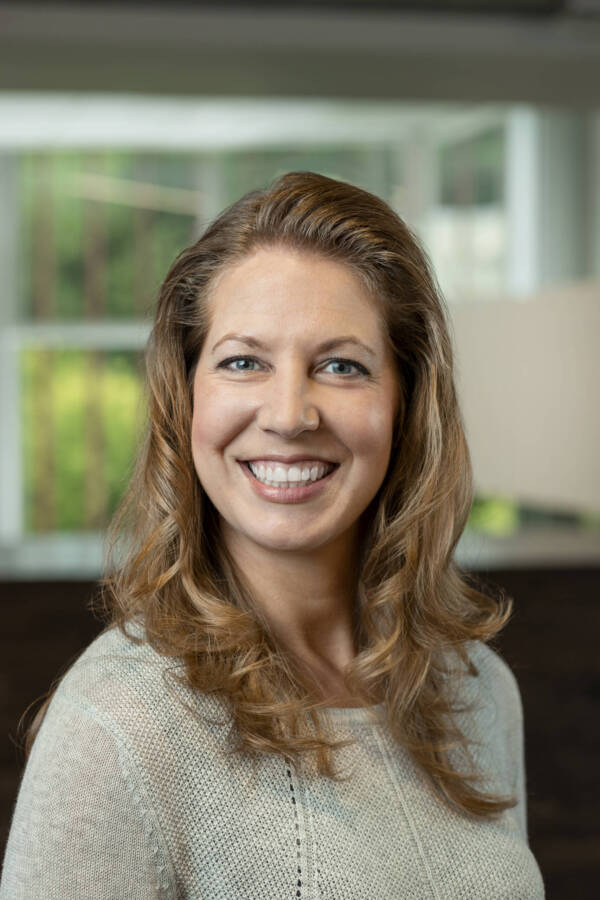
(494, 683)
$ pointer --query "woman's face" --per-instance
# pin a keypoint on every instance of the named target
(265, 385)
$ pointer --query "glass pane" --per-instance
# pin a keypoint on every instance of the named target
(467, 226)
(82, 417)
(98, 231)
(472, 170)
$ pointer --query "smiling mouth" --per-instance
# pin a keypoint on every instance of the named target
(308, 474)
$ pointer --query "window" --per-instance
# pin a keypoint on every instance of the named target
(91, 224)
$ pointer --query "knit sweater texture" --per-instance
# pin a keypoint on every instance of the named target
(127, 794)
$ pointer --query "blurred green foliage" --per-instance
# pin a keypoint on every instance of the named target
(55, 211)
(66, 392)
(495, 516)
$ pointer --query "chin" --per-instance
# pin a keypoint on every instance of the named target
(279, 541)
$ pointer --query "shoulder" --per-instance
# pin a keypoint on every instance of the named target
(496, 682)
(111, 666)
(489, 709)
(128, 687)
(111, 659)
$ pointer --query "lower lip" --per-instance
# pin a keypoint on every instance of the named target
(287, 494)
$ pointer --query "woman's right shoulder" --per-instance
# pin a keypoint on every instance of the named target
(112, 663)
(126, 685)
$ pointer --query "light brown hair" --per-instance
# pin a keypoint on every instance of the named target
(416, 610)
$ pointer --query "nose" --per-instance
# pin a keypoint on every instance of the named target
(289, 406)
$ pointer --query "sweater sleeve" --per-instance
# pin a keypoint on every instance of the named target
(505, 727)
(516, 736)
(81, 826)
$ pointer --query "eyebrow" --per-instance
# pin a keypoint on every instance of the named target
(322, 348)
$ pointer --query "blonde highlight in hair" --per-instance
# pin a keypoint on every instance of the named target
(415, 608)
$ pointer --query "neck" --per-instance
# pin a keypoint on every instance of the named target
(306, 595)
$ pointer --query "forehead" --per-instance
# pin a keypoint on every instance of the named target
(302, 286)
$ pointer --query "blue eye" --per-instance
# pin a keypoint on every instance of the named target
(227, 364)
(347, 362)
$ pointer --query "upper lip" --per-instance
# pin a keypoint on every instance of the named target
(297, 457)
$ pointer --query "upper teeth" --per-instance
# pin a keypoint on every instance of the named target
(278, 473)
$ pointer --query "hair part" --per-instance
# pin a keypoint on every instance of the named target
(415, 610)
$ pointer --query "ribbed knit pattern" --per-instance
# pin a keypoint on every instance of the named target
(127, 795)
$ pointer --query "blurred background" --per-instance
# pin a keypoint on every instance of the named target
(124, 128)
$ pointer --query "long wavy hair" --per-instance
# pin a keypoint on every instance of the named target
(415, 609)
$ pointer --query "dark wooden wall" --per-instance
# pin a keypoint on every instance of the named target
(551, 644)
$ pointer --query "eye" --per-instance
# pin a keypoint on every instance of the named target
(347, 362)
(226, 364)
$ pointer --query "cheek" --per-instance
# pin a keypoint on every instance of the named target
(368, 425)
(217, 417)
(204, 422)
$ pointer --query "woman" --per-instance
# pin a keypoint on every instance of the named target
(292, 696)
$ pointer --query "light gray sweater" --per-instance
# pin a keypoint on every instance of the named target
(126, 796)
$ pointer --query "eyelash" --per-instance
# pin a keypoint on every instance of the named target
(349, 362)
